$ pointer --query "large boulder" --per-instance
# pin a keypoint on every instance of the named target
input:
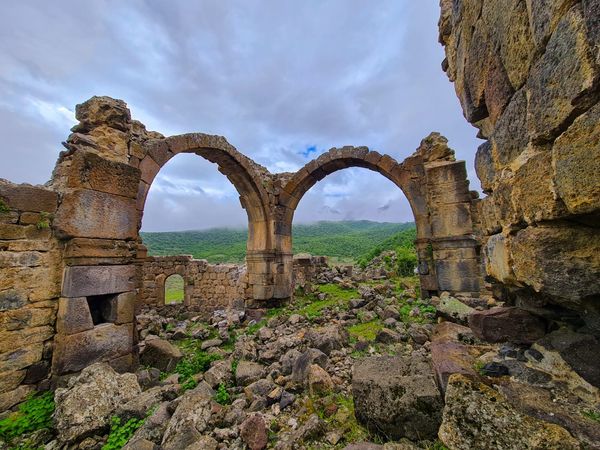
(578, 350)
(85, 407)
(477, 417)
(161, 354)
(507, 324)
(190, 420)
(396, 397)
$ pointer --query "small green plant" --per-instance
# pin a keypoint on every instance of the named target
(189, 366)
(367, 330)
(121, 433)
(222, 397)
(44, 221)
(169, 327)
(478, 366)
(592, 415)
(34, 414)
(3, 207)
(437, 445)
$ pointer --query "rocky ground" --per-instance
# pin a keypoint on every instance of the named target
(352, 364)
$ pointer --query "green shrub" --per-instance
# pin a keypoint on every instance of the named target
(44, 221)
(222, 397)
(121, 433)
(3, 207)
(406, 261)
(34, 414)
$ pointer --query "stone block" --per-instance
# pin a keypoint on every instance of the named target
(484, 166)
(9, 380)
(24, 197)
(22, 355)
(560, 78)
(560, 260)
(92, 214)
(30, 317)
(507, 324)
(90, 171)
(149, 168)
(121, 308)
(497, 259)
(14, 397)
(104, 342)
(533, 195)
(73, 315)
(511, 135)
(451, 220)
(83, 281)
(9, 340)
(99, 248)
(576, 159)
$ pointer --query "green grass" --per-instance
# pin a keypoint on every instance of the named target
(33, 414)
(367, 331)
(592, 415)
(345, 241)
(174, 289)
(424, 309)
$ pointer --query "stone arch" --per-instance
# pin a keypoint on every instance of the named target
(437, 190)
(242, 172)
(401, 174)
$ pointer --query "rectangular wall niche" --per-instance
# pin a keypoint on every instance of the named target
(103, 308)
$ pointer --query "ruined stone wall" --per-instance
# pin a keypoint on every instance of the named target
(306, 268)
(527, 73)
(207, 287)
(30, 276)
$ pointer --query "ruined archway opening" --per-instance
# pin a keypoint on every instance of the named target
(196, 232)
(174, 290)
(371, 242)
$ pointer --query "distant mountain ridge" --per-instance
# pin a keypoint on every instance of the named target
(343, 240)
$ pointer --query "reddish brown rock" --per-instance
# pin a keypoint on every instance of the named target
(254, 432)
(507, 324)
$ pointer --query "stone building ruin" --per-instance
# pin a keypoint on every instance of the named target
(73, 270)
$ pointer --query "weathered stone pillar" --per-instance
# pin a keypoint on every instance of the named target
(454, 247)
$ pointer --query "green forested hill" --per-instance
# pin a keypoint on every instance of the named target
(346, 241)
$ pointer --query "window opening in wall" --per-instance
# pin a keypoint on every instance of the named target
(102, 308)
(174, 290)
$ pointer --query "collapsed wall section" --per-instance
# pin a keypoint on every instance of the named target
(527, 74)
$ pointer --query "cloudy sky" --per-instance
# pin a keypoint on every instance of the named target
(283, 80)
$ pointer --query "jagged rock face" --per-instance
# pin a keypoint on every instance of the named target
(87, 404)
(527, 75)
(478, 418)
